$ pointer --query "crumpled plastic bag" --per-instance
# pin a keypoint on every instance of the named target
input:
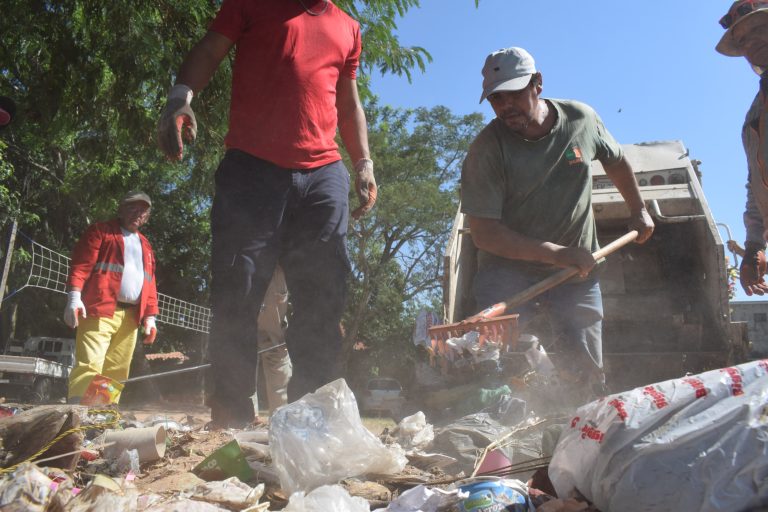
(230, 493)
(27, 488)
(414, 433)
(105, 493)
(470, 342)
(425, 499)
(320, 439)
(185, 505)
(325, 499)
(254, 443)
(466, 437)
(696, 443)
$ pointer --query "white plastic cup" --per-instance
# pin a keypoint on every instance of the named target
(148, 441)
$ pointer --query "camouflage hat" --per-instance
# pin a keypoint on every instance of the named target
(739, 11)
(135, 195)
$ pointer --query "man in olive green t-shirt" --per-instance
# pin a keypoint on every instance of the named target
(526, 188)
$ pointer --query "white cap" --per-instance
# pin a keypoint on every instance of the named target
(508, 69)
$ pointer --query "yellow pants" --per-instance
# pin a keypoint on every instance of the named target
(103, 346)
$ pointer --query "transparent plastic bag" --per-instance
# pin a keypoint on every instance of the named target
(320, 439)
(539, 360)
(414, 433)
(325, 499)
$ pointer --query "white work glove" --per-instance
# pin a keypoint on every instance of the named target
(177, 122)
(73, 309)
(150, 330)
(365, 186)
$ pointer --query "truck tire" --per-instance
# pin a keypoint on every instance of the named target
(41, 391)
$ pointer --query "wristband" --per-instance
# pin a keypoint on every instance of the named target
(753, 247)
(360, 164)
(181, 91)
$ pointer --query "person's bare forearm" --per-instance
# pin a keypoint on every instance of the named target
(202, 61)
(354, 134)
(492, 236)
(353, 127)
(622, 176)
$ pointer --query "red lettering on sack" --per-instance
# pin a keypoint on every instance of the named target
(737, 387)
(697, 385)
(590, 432)
(763, 364)
(659, 400)
(619, 406)
(574, 421)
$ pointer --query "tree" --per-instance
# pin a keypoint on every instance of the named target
(397, 249)
(90, 79)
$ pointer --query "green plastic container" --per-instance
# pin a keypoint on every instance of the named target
(227, 461)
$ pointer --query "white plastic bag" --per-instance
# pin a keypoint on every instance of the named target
(319, 439)
(230, 493)
(699, 443)
(424, 320)
(326, 499)
(425, 499)
(414, 433)
(539, 360)
(253, 443)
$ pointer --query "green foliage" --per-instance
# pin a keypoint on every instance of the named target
(90, 79)
(397, 249)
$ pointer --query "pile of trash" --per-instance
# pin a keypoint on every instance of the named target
(695, 443)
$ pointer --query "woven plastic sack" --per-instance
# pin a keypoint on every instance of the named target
(320, 439)
(696, 444)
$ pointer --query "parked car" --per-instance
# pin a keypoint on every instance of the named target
(383, 395)
(38, 369)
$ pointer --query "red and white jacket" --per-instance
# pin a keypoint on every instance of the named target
(97, 268)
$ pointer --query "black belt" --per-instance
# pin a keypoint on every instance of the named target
(125, 305)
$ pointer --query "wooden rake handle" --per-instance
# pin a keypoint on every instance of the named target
(551, 281)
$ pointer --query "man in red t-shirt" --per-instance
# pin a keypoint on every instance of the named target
(281, 189)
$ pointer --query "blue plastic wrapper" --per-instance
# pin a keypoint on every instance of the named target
(497, 495)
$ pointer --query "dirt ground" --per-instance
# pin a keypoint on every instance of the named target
(185, 450)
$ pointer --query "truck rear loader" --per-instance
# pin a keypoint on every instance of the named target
(666, 301)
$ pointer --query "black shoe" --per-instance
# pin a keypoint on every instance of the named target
(226, 417)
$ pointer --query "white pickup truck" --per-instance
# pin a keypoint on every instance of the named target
(37, 370)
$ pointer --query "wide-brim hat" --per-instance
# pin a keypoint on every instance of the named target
(740, 11)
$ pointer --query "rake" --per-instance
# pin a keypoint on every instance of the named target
(492, 325)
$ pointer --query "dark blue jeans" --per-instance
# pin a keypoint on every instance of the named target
(575, 310)
(263, 214)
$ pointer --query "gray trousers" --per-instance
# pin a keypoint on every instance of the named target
(275, 362)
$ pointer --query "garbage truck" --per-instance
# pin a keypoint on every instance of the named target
(666, 301)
